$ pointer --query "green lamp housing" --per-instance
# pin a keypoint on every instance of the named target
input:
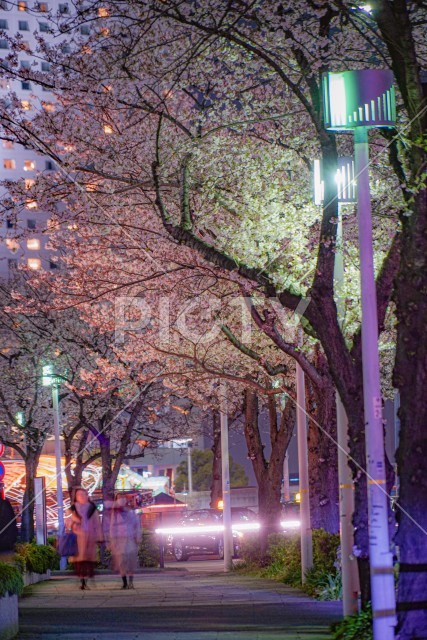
(363, 98)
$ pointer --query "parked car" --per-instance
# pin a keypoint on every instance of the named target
(204, 535)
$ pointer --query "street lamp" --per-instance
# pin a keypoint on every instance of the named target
(346, 194)
(358, 101)
(50, 380)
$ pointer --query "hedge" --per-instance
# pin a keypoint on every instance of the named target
(38, 558)
(11, 582)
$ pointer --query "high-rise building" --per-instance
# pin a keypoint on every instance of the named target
(24, 239)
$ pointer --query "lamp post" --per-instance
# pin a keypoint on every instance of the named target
(190, 467)
(346, 194)
(358, 101)
(304, 487)
(226, 495)
(50, 380)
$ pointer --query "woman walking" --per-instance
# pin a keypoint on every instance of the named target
(86, 524)
(125, 536)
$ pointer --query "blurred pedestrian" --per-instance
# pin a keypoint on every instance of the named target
(86, 524)
(125, 536)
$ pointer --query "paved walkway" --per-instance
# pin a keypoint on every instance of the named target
(174, 604)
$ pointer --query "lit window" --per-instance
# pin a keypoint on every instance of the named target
(25, 85)
(33, 244)
(22, 6)
(29, 165)
(105, 32)
(24, 45)
(12, 244)
(49, 107)
(42, 7)
(108, 128)
(34, 263)
(107, 88)
(3, 24)
(9, 164)
(103, 12)
(23, 25)
(31, 204)
(26, 105)
(29, 183)
(4, 44)
(91, 187)
(8, 144)
(86, 49)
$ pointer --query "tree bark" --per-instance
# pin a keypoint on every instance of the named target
(27, 519)
(216, 488)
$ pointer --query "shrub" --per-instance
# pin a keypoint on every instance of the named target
(323, 585)
(250, 552)
(36, 557)
(11, 581)
(149, 551)
(358, 627)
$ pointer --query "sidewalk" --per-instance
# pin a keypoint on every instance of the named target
(174, 604)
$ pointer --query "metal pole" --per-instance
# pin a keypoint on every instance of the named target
(190, 468)
(306, 535)
(59, 492)
(286, 486)
(226, 495)
(345, 479)
(380, 557)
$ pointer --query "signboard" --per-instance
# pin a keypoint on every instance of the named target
(40, 505)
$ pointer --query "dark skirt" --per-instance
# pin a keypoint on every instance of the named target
(85, 569)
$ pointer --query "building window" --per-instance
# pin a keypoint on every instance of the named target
(4, 84)
(29, 165)
(108, 128)
(25, 64)
(4, 44)
(23, 25)
(53, 265)
(31, 224)
(25, 85)
(49, 165)
(8, 144)
(103, 12)
(34, 263)
(12, 264)
(26, 105)
(9, 164)
(12, 244)
(3, 24)
(85, 30)
(42, 7)
(29, 182)
(43, 27)
(31, 204)
(22, 5)
(24, 45)
(10, 224)
(66, 48)
(33, 244)
(45, 66)
(63, 8)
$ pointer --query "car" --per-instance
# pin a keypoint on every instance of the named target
(204, 532)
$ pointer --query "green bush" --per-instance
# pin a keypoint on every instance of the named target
(284, 562)
(250, 552)
(149, 550)
(11, 581)
(358, 627)
(36, 557)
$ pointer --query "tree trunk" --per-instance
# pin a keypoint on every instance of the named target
(216, 488)
(410, 377)
(322, 454)
(27, 520)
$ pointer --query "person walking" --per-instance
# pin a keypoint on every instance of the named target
(125, 536)
(86, 524)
